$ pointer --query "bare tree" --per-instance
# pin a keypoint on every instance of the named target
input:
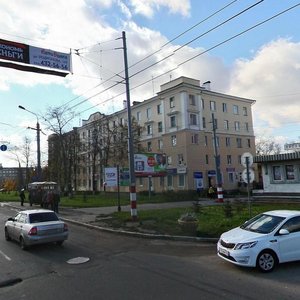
(267, 146)
(58, 120)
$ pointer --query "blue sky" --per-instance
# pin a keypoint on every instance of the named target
(262, 64)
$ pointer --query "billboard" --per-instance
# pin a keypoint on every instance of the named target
(150, 164)
(33, 59)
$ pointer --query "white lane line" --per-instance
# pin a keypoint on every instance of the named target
(4, 255)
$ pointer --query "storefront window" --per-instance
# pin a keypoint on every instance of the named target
(290, 172)
(277, 173)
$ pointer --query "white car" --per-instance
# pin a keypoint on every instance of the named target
(264, 241)
(36, 226)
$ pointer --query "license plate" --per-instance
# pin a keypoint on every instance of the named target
(223, 251)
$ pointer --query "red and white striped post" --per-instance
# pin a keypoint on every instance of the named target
(220, 193)
(133, 203)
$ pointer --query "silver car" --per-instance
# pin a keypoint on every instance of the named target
(37, 226)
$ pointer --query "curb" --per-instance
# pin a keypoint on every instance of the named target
(137, 234)
(145, 235)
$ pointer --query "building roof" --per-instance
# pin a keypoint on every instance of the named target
(277, 157)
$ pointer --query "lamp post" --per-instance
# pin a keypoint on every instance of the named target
(38, 142)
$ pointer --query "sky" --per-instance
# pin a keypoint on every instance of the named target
(246, 48)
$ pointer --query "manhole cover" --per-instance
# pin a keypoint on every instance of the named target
(78, 260)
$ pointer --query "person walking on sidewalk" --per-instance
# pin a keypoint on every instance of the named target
(22, 197)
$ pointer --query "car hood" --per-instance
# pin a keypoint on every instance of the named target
(239, 235)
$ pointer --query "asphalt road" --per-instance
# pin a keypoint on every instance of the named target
(122, 267)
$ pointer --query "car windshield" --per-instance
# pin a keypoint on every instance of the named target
(42, 217)
(262, 223)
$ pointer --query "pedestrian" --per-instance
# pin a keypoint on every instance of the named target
(56, 197)
(22, 197)
(211, 192)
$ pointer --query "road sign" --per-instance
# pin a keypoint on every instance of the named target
(3, 147)
(244, 159)
(251, 176)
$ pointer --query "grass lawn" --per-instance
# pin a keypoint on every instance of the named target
(212, 220)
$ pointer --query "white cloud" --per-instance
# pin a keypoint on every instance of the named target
(271, 77)
(148, 7)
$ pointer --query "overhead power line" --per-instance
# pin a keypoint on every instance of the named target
(201, 53)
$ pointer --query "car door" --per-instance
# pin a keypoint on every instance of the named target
(19, 224)
(289, 244)
(11, 226)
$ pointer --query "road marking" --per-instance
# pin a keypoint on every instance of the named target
(4, 255)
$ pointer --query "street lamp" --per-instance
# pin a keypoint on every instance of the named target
(38, 141)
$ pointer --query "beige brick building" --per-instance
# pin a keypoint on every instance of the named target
(177, 122)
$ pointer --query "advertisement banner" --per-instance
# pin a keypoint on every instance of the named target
(111, 177)
(146, 164)
(33, 59)
(49, 59)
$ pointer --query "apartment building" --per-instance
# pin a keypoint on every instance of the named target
(177, 123)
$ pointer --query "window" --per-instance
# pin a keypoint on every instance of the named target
(248, 143)
(292, 225)
(229, 160)
(202, 103)
(205, 140)
(227, 140)
(206, 159)
(290, 172)
(158, 107)
(160, 126)
(192, 100)
(226, 124)
(240, 159)
(277, 173)
(173, 121)
(181, 180)
(193, 119)
(195, 138)
(231, 177)
(239, 142)
(237, 126)
(160, 144)
(172, 102)
(138, 116)
(173, 140)
(180, 158)
(235, 109)
(203, 122)
(148, 113)
(217, 141)
(224, 106)
(149, 129)
(247, 126)
(213, 105)
(149, 146)
(170, 181)
(245, 113)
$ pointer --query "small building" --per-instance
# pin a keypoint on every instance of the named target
(279, 174)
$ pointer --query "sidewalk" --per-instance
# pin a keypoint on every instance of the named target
(88, 216)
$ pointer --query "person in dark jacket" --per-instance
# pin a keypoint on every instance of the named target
(22, 197)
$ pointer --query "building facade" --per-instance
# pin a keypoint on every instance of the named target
(279, 173)
(177, 123)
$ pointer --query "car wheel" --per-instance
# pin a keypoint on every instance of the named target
(22, 244)
(59, 243)
(266, 261)
(7, 237)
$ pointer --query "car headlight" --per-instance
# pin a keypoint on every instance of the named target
(241, 246)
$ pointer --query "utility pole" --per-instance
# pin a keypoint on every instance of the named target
(217, 162)
(132, 184)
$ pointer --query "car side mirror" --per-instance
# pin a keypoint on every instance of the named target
(11, 219)
(283, 232)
